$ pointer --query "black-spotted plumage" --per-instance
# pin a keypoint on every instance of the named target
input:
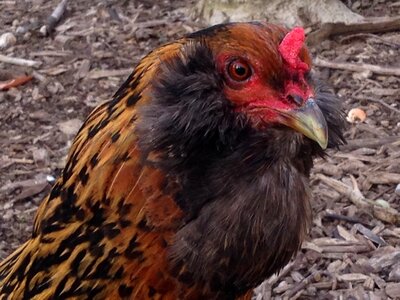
(172, 190)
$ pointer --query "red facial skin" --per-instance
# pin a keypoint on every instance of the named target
(258, 96)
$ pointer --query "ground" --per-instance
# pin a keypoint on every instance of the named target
(351, 252)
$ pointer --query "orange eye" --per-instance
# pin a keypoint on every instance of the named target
(239, 70)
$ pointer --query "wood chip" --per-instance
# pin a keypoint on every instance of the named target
(384, 258)
(393, 290)
(311, 246)
(70, 127)
(55, 71)
(352, 277)
(370, 235)
(29, 191)
(96, 74)
(369, 283)
(384, 178)
(335, 266)
(346, 235)
(83, 69)
(7, 188)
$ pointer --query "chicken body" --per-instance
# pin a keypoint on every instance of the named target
(178, 188)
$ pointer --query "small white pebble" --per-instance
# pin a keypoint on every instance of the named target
(21, 30)
(50, 178)
(397, 189)
(43, 30)
(7, 39)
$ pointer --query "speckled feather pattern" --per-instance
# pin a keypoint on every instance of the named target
(96, 214)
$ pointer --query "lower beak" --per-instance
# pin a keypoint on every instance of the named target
(308, 120)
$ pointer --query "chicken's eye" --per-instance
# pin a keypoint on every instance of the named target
(239, 70)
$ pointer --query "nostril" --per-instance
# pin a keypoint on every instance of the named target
(296, 99)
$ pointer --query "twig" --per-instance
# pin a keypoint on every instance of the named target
(372, 36)
(384, 191)
(369, 143)
(357, 67)
(55, 17)
(385, 214)
(21, 161)
(380, 101)
(51, 53)
(353, 220)
(309, 279)
(30, 210)
(361, 88)
(19, 61)
(372, 25)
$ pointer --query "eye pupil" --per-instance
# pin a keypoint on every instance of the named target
(239, 70)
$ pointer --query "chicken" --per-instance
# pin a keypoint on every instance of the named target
(192, 182)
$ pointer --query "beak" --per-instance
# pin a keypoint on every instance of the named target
(308, 120)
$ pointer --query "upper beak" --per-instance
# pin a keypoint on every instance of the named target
(308, 120)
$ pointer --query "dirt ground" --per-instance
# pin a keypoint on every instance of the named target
(353, 251)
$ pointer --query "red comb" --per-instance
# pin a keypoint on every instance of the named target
(290, 48)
